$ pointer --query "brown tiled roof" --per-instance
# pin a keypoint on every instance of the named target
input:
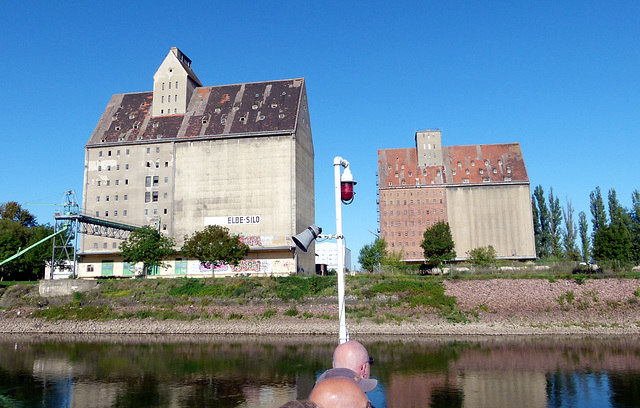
(215, 111)
(484, 163)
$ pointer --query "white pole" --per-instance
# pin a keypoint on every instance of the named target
(343, 335)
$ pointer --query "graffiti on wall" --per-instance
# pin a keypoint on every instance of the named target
(251, 241)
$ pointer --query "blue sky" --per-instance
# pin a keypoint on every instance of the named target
(560, 78)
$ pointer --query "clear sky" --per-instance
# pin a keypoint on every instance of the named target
(561, 78)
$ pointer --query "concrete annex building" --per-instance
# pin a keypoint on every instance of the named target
(184, 156)
(481, 191)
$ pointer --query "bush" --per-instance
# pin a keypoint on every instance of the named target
(482, 256)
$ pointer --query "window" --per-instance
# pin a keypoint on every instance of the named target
(126, 166)
(100, 153)
(126, 197)
(98, 183)
(99, 168)
(127, 152)
(169, 98)
(126, 181)
(117, 182)
(166, 164)
(97, 213)
(117, 167)
(165, 210)
(157, 165)
(155, 211)
(90, 267)
(118, 152)
(124, 213)
(106, 198)
(147, 181)
(148, 150)
(106, 213)
(166, 179)
(165, 195)
(108, 182)
(147, 197)
(114, 245)
(155, 196)
(163, 86)
(146, 212)
(169, 85)
(115, 213)
(95, 246)
(98, 198)
(104, 245)
(155, 181)
(176, 84)
(116, 197)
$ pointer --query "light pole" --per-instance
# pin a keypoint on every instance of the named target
(344, 194)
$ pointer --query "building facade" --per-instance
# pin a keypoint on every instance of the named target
(327, 254)
(185, 156)
(481, 191)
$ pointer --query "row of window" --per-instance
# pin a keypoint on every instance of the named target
(175, 99)
(407, 223)
(169, 83)
(127, 152)
(109, 153)
(108, 182)
(419, 212)
(384, 202)
(115, 198)
(404, 194)
(114, 213)
(126, 166)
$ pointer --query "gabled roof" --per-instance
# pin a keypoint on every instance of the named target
(217, 111)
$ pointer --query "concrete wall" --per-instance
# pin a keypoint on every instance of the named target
(497, 215)
(64, 287)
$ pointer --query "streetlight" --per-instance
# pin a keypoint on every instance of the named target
(344, 194)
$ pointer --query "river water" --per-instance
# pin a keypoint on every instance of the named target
(259, 371)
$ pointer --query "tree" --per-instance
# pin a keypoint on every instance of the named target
(634, 230)
(570, 248)
(598, 214)
(149, 246)
(543, 247)
(214, 245)
(438, 244)
(19, 230)
(372, 255)
(583, 226)
(555, 211)
(13, 211)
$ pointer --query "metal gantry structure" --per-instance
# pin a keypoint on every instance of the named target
(76, 223)
(69, 223)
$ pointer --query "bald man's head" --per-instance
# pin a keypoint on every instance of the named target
(354, 356)
(339, 393)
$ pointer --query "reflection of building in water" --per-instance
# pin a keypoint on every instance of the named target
(503, 389)
(418, 390)
(268, 396)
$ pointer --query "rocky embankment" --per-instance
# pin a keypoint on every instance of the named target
(484, 307)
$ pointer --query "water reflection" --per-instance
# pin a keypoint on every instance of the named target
(212, 371)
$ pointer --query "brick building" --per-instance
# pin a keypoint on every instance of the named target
(481, 191)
